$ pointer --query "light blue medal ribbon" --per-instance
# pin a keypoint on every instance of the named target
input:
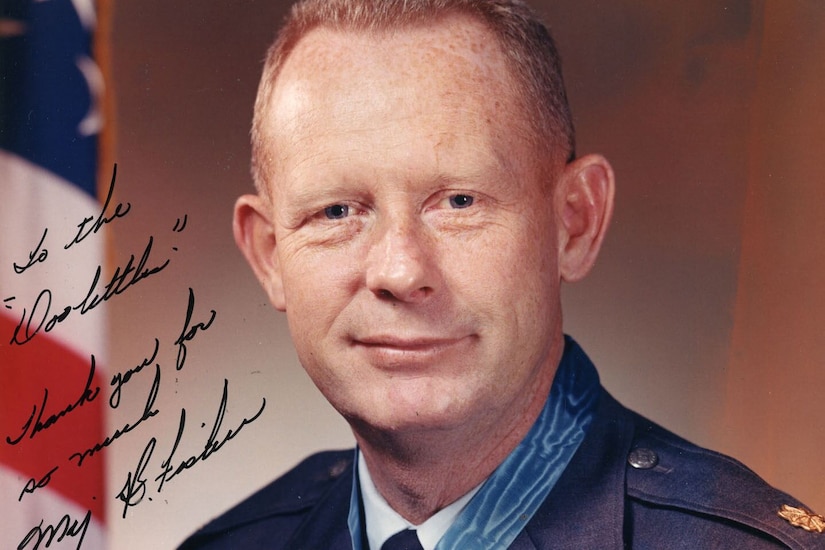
(515, 490)
(354, 521)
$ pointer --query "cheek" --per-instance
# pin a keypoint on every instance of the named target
(498, 281)
(511, 258)
(519, 279)
(315, 281)
(317, 289)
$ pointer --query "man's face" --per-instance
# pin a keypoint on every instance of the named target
(415, 245)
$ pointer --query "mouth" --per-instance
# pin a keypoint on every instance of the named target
(394, 351)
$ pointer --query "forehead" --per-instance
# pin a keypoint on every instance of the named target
(450, 39)
(446, 75)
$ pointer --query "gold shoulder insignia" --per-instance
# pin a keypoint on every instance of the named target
(803, 518)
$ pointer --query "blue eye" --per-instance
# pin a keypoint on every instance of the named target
(336, 211)
(461, 201)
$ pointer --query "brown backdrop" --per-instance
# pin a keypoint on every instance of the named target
(705, 311)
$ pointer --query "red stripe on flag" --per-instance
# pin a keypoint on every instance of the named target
(25, 373)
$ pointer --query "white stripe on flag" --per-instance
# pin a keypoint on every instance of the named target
(35, 199)
(16, 521)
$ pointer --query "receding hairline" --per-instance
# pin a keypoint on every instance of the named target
(556, 134)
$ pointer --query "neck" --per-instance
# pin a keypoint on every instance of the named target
(420, 473)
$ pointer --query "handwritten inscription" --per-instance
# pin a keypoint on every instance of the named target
(39, 254)
(84, 230)
(66, 527)
(213, 443)
(149, 411)
(134, 490)
(33, 484)
(40, 317)
(190, 331)
(32, 429)
(121, 378)
(49, 307)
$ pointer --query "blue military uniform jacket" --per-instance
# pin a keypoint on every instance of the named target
(631, 484)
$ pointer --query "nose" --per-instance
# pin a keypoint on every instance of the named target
(401, 264)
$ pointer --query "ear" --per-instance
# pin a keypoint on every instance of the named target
(584, 205)
(255, 236)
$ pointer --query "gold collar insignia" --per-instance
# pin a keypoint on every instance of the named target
(799, 517)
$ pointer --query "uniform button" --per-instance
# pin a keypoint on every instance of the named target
(338, 468)
(642, 458)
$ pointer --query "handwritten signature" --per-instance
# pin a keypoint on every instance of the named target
(134, 490)
(47, 309)
(66, 527)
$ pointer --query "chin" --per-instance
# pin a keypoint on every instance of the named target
(402, 402)
(402, 416)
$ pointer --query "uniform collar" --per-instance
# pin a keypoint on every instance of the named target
(585, 509)
(513, 493)
(382, 521)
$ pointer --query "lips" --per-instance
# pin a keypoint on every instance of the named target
(394, 351)
(421, 342)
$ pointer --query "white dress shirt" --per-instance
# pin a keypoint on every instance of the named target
(383, 522)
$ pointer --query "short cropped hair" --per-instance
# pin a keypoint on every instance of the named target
(522, 36)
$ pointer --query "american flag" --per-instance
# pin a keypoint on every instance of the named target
(51, 91)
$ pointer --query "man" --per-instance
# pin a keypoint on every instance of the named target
(419, 204)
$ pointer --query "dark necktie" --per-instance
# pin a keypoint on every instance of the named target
(403, 540)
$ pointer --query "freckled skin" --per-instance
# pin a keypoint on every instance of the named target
(393, 129)
(426, 307)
